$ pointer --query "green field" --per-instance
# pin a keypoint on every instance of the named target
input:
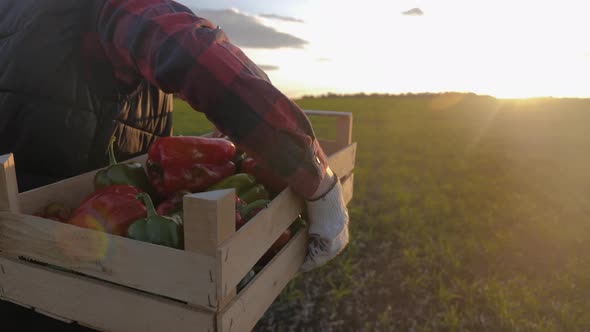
(469, 214)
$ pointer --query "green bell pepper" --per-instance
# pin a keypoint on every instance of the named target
(249, 276)
(245, 185)
(241, 182)
(250, 210)
(130, 173)
(255, 193)
(157, 229)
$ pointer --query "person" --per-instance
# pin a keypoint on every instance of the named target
(74, 73)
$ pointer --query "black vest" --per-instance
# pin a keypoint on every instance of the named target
(58, 109)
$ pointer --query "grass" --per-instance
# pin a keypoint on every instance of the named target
(469, 214)
(189, 122)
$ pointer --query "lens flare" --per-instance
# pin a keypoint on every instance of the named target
(83, 244)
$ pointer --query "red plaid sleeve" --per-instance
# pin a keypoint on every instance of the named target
(167, 44)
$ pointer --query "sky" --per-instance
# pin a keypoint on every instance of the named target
(507, 49)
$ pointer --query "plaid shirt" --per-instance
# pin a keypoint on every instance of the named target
(168, 45)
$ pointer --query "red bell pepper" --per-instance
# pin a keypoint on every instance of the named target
(189, 163)
(172, 203)
(263, 175)
(111, 209)
(185, 151)
(239, 220)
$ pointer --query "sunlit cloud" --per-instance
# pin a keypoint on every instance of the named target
(246, 30)
(282, 18)
(414, 12)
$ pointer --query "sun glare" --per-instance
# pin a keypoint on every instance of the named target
(501, 48)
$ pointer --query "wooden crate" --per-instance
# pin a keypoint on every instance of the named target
(112, 283)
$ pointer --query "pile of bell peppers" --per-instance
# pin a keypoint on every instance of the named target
(145, 203)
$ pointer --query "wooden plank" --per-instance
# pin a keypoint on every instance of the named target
(343, 161)
(8, 185)
(344, 130)
(347, 188)
(93, 303)
(156, 269)
(238, 254)
(251, 303)
(329, 147)
(209, 220)
(13, 301)
(69, 192)
(56, 317)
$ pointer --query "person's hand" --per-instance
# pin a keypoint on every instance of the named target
(328, 218)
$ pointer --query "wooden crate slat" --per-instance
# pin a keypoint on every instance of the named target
(210, 219)
(344, 130)
(251, 303)
(24, 305)
(329, 147)
(342, 162)
(124, 261)
(56, 317)
(239, 253)
(8, 185)
(97, 304)
(347, 188)
(69, 192)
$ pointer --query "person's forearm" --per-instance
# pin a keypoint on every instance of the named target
(181, 53)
